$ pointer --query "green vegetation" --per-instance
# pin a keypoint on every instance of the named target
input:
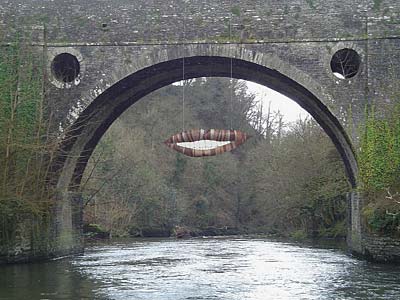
(377, 4)
(95, 231)
(311, 4)
(379, 161)
(381, 220)
(24, 148)
(236, 11)
(380, 152)
(285, 180)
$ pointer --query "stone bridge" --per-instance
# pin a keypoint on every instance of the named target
(334, 58)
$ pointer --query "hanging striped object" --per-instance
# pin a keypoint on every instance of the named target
(232, 139)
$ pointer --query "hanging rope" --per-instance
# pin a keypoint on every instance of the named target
(183, 94)
(183, 67)
(231, 94)
(231, 64)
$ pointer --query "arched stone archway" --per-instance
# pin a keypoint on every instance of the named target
(102, 111)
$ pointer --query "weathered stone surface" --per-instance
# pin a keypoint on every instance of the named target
(129, 48)
(40, 238)
(382, 249)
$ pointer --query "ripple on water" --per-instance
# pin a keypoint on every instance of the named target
(234, 269)
(207, 268)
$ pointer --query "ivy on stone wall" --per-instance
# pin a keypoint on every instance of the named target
(24, 146)
(379, 164)
(379, 157)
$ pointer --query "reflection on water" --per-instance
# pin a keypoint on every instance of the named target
(51, 280)
(210, 268)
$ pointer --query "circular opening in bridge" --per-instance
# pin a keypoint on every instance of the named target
(345, 63)
(65, 67)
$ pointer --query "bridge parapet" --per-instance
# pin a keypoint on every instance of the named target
(161, 22)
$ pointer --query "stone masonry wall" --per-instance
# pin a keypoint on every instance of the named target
(382, 249)
(160, 21)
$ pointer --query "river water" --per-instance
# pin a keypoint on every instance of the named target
(203, 268)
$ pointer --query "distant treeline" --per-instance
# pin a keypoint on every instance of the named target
(287, 180)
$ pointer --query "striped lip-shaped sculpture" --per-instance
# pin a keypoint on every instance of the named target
(225, 140)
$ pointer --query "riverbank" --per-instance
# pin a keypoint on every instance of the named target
(94, 232)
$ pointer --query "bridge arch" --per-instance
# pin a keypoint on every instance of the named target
(102, 111)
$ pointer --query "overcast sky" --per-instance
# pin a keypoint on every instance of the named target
(289, 109)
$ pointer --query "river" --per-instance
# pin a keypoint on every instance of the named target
(202, 268)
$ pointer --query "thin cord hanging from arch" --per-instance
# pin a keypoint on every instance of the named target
(231, 65)
(183, 67)
(183, 94)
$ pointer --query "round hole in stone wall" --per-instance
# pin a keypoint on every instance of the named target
(345, 63)
(65, 67)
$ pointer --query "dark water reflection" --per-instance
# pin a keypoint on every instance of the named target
(210, 268)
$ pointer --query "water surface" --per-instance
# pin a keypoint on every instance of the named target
(202, 268)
